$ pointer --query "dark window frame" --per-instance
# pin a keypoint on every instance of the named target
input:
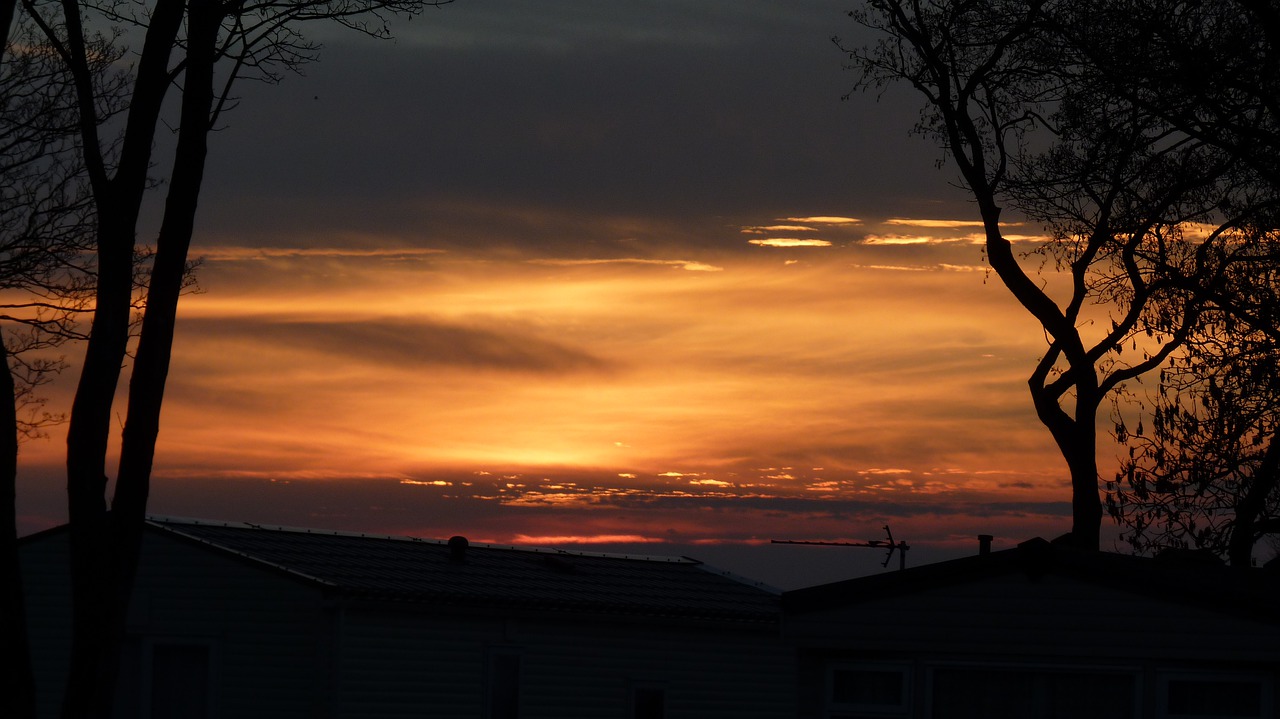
(641, 696)
(890, 710)
(503, 678)
(1039, 676)
(1166, 679)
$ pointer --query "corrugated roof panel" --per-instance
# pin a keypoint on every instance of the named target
(405, 568)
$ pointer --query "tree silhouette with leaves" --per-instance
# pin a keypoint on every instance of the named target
(1142, 218)
(1203, 473)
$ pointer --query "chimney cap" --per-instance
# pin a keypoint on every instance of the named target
(984, 543)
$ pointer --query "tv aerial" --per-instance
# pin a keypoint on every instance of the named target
(900, 547)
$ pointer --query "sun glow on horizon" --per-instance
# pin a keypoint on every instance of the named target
(517, 367)
(574, 386)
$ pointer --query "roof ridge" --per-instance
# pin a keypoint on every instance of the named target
(741, 579)
(364, 567)
(174, 520)
(169, 520)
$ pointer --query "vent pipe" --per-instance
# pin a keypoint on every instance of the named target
(984, 544)
(457, 549)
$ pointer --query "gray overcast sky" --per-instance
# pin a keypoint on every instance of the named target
(485, 112)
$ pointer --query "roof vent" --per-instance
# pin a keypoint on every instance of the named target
(458, 548)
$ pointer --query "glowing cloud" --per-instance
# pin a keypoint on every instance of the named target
(896, 268)
(899, 240)
(760, 230)
(920, 239)
(825, 220)
(790, 242)
(250, 254)
(937, 224)
(691, 266)
(586, 539)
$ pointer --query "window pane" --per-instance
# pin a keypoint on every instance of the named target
(1191, 697)
(1092, 696)
(983, 694)
(650, 703)
(995, 693)
(504, 686)
(867, 687)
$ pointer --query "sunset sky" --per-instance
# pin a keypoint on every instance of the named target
(619, 275)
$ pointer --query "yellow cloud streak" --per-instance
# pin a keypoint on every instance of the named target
(778, 228)
(790, 242)
(680, 264)
(938, 224)
(825, 220)
(821, 360)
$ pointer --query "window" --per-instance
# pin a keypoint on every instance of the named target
(503, 684)
(1214, 696)
(648, 702)
(868, 690)
(1032, 693)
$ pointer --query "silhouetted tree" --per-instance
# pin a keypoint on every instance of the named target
(194, 49)
(1203, 474)
(1143, 219)
(1211, 70)
(1204, 471)
(46, 221)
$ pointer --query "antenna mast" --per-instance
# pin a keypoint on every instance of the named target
(891, 545)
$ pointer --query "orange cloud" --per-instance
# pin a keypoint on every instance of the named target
(603, 393)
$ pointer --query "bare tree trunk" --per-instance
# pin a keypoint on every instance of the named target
(1076, 437)
(17, 686)
(93, 535)
(105, 572)
(168, 273)
(8, 8)
(1086, 502)
(96, 552)
(155, 344)
(1245, 527)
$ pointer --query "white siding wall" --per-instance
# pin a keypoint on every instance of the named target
(1053, 615)
(1053, 623)
(404, 664)
(268, 635)
(48, 594)
(435, 666)
(278, 650)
